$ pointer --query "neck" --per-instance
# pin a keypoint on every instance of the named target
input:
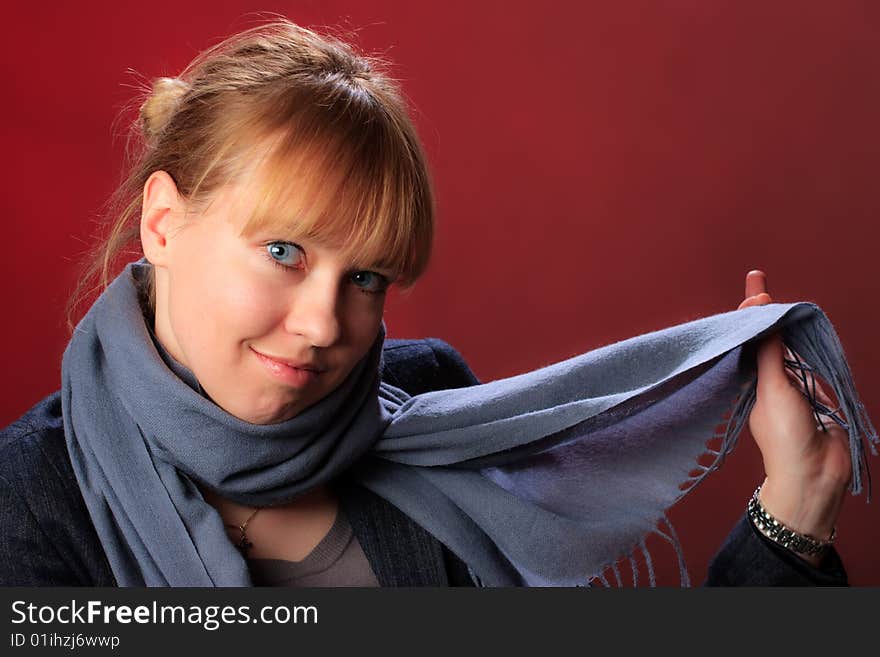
(236, 514)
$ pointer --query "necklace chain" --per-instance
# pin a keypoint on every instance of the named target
(243, 543)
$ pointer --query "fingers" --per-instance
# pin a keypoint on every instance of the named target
(758, 300)
(756, 282)
(772, 353)
(771, 367)
(756, 290)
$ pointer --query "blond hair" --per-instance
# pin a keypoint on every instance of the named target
(335, 123)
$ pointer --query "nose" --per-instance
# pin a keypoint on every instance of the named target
(314, 311)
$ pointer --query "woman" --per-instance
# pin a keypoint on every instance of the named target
(234, 380)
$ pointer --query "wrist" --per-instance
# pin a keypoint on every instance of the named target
(810, 512)
(809, 508)
(807, 548)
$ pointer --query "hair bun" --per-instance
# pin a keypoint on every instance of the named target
(160, 106)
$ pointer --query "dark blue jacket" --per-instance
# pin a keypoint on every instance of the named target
(47, 537)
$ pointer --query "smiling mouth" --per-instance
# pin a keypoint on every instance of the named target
(299, 365)
(296, 376)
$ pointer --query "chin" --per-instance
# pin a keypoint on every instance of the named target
(275, 413)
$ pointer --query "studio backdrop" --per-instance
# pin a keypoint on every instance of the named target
(601, 170)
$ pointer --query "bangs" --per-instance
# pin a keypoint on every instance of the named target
(356, 183)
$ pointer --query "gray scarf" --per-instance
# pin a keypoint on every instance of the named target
(547, 478)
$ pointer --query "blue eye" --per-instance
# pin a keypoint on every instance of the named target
(369, 281)
(285, 254)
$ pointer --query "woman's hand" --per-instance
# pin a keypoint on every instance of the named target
(808, 469)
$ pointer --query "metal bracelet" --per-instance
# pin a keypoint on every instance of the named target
(779, 533)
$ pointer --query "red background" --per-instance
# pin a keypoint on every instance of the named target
(602, 169)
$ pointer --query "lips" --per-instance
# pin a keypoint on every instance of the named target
(293, 373)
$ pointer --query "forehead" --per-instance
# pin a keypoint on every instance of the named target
(236, 209)
(366, 203)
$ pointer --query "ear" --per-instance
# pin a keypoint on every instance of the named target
(160, 213)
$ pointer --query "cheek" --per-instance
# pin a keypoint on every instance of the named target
(362, 320)
(243, 307)
(215, 305)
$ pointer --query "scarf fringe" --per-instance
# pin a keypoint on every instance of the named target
(815, 350)
(815, 341)
(727, 433)
(671, 537)
(635, 570)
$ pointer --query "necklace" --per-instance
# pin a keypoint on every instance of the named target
(243, 543)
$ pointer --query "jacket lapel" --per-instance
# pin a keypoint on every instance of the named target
(400, 552)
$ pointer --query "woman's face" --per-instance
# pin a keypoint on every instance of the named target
(267, 327)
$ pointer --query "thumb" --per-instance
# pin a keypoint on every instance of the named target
(771, 364)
